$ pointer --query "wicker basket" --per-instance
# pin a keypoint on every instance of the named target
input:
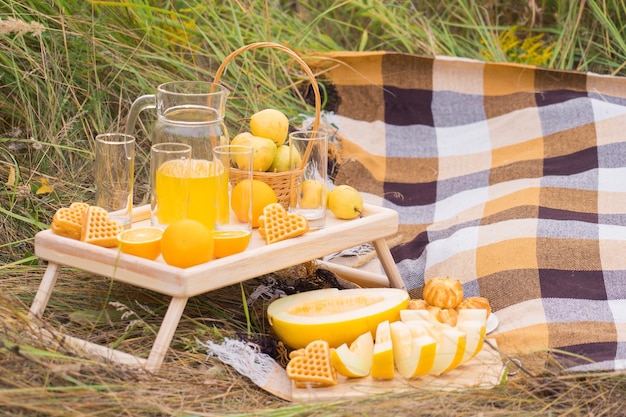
(281, 182)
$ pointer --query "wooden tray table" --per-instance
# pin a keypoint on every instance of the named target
(259, 259)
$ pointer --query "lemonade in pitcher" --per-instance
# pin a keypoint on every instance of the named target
(207, 189)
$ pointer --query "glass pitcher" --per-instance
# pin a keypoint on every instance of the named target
(189, 112)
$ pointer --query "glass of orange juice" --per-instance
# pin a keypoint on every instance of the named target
(234, 190)
(170, 169)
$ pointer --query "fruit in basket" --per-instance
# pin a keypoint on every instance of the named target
(345, 202)
(186, 243)
(240, 138)
(144, 242)
(311, 194)
(283, 159)
(337, 316)
(263, 153)
(271, 124)
(262, 195)
(354, 361)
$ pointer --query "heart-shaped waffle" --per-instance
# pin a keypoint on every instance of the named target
(98, 229)
(276, 224)
(68, 221)
(312, 367)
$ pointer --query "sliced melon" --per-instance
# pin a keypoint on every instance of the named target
(413, 356)
(409, 315)
(473, 322)
(475, 331)
(382, 362)
(336, 316)
(450, 344)
(354, 361)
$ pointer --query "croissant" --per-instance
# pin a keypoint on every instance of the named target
(443, 292)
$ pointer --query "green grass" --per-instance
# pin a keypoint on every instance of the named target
(78, 76)
(70, 69)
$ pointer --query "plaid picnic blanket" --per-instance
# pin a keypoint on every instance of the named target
(508, 177)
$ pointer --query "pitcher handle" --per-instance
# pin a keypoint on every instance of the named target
(144, 102)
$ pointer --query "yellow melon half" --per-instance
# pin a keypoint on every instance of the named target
(336, 316)
(354, 361)
(413, 356)
(382, 362)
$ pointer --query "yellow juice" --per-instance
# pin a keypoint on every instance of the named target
(196, 194)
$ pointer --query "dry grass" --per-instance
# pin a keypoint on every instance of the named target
(42, 378)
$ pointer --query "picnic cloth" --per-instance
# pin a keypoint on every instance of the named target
(508, 177)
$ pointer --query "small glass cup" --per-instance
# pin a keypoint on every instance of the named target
(308, 154)
(233, 222)
(170, 170)
(114, 172)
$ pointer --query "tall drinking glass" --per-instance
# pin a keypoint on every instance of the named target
(309, 153)
(114, 172)
(170, 170)
(233, 225)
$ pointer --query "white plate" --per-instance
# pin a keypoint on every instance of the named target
(492, 323)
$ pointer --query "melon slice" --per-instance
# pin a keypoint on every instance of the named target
(336, 316)
(413, 356)
(354, 361)
(382, 362)
(419, 315)
(474, 324)
(450, 344)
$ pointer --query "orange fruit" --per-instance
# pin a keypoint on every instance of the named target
(229, 242)
(186, 243)
(144, 242)
(262, 195)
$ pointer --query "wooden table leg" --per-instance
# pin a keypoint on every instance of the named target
(45, 290)
(166, 333)
(389, 265)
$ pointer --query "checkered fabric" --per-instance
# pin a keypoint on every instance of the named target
(510, 178)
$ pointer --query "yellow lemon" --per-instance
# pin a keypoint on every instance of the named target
(144, 242)
(271, 124)
(186, 243)
(262, 195)
(229, 242)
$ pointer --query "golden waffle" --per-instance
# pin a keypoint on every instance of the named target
(98, 229)
(313, 368)
(279, 225)
(68, 221)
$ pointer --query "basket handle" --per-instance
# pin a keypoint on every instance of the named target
(305, 67)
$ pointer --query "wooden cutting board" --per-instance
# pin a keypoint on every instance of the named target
(485, 370)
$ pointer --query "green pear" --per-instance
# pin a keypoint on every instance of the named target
(263, 153)
(284, 160)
